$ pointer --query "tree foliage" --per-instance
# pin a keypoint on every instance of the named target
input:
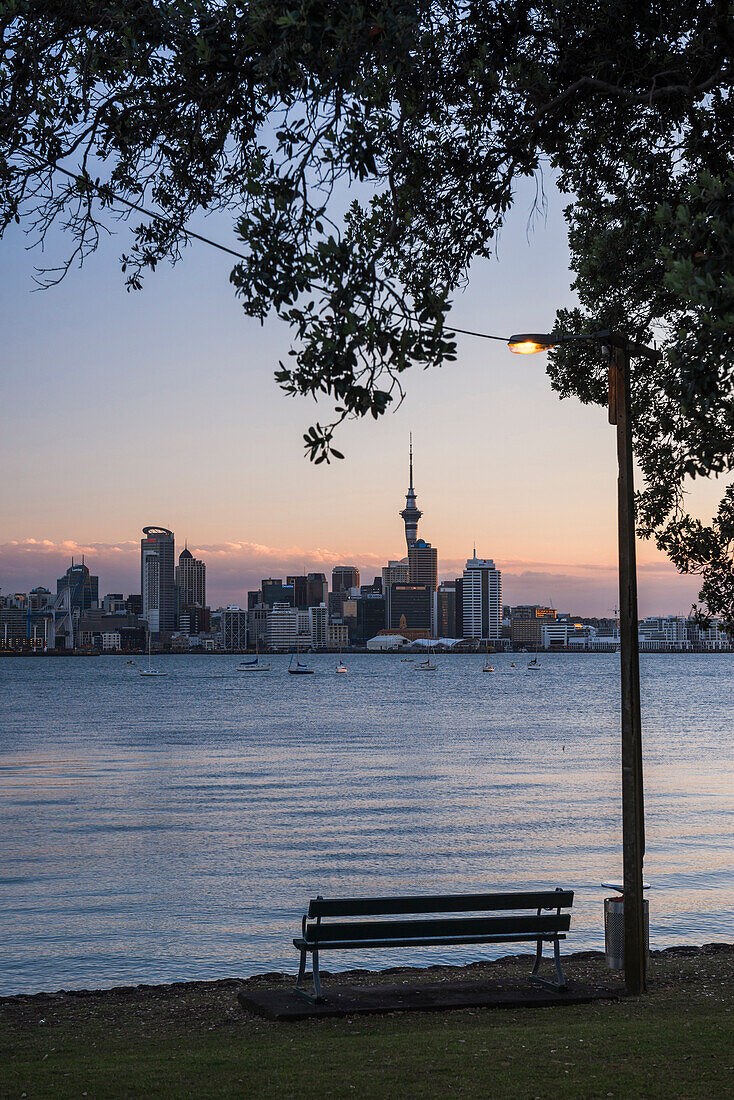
(369, 152)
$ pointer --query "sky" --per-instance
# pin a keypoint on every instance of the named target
(158, 407)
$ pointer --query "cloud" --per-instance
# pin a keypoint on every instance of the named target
(234, 567)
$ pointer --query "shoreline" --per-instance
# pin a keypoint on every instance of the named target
(342, 977)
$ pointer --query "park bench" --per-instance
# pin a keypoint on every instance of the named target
(321, 932)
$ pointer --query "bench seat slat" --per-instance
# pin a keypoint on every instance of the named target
(438, 941)
(446, 903)
(422, 929)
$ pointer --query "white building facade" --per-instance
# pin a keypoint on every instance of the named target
(234, 628)
(482, 599)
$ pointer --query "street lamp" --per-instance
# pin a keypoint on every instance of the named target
(618, 350)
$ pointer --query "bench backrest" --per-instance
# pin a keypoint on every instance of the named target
(445, 903)
(434, 926)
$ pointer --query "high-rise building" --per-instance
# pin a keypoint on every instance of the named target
(423, 564)
(344, 577)
(234, 629)
(410, 607)
(274, 591)
(395, 572)
(317, 590)
(526, 624)
(83, 587)
(446, 610)
(319, 626)
(411, 512)
(459, 607)
(191, 579)
(300, 591)
(482, 599)
(157, 580)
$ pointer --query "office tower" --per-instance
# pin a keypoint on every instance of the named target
(83, 587)
(423, 564)
(411, 513)
(317, 590)
(157, 580)
(234, 629)
(274, 591)
(459, 607)
(191, 579)
(395, 572)
(344, 577)
(319, 626)
(300, 591)
(481, 599)
(526, 624)
(446, 610)
(410, 607)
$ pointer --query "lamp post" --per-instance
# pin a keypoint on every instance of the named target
(619, 350)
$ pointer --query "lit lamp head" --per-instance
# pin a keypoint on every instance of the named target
(527, 343)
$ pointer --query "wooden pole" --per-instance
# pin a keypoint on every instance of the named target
(633, 821)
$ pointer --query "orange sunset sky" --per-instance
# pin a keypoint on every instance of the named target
(159, 407)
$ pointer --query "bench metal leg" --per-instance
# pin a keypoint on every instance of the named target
(317, 996)
(561, 983)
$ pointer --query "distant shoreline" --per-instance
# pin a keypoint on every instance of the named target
(375, 653)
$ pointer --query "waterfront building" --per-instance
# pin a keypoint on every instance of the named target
(459, 607)
(395, 572)
(257, 626)
(409, 607)
(282, 627)
(158, 581)
(446, 610)
(191, 579)
(526, 622)
(423, 564)
(82, 586)
(318, 625)
(481, 599)
(370, 617)
(233, 628)
(411, 513)
(664, 632)
(338, 635)
(194, 620)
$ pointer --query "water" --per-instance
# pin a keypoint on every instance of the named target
(155, 830)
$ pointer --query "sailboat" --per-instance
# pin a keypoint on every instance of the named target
(341, 667)
(298, 669)
(534, 664)
(487, 667)
(256, 665)
(150, 671)
(425, 666)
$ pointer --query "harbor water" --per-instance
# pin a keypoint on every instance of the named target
(174, 828)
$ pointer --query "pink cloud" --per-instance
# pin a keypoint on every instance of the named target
(234, 567)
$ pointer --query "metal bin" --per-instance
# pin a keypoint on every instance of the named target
(614, 931)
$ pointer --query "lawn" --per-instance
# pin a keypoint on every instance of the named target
(195, 1040)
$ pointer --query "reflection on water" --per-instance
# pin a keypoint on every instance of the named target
(153, 830)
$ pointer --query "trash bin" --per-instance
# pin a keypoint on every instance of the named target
(614, 928)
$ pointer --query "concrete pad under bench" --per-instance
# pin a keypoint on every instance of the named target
(344, 1000)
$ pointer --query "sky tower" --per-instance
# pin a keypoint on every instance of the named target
(411, 513)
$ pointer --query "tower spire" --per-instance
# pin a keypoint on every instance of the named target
(411, 513)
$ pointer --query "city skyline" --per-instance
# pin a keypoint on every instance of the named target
(503, 462)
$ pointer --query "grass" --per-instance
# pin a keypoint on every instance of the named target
(195, 1040)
